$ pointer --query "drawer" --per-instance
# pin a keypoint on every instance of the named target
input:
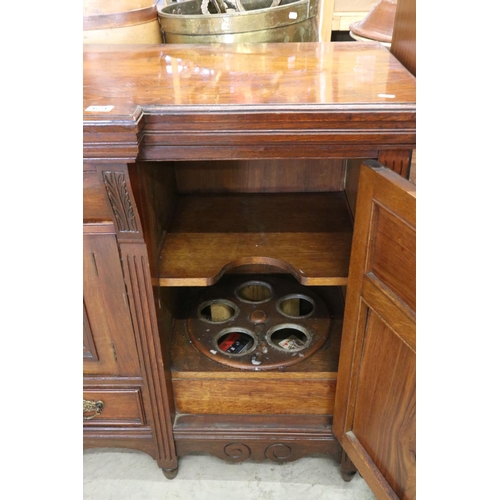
(110, 407)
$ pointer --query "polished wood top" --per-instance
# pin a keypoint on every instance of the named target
(282, 100)
(282, 74)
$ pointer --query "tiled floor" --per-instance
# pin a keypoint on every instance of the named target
(114, 474)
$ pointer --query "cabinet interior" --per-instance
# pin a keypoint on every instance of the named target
(200, 218)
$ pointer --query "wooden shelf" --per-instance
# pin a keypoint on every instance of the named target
(305, 234)
(187, 362)
(203, 386)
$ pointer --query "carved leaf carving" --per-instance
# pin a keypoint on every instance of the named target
(119, 197)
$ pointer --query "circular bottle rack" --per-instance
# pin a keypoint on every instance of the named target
(258, 324)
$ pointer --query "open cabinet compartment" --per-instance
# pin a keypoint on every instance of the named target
(288, 214)
(210, 223)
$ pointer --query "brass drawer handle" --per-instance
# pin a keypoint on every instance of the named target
(92, 406)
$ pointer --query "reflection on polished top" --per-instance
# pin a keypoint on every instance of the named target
(282, 75)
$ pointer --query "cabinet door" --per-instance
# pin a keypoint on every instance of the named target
(108, 339)
(375, 406)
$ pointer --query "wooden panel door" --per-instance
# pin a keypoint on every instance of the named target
(375, 407)
(108, 339)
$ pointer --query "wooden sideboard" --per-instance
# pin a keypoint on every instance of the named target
(211, 168)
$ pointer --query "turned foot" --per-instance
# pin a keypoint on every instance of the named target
(347, 476)
(170, 473)
(347, 468)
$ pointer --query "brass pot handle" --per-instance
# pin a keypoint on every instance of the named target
(92, 406)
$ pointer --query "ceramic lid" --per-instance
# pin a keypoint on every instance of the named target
(378, 24)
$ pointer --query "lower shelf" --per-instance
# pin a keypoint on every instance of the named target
(203, 386)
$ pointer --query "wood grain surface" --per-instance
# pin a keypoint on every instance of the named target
(95, 204)
(108, 324)
(245, 74)
(247, 101)
(235, 438)
(204, 386)
(122, 406)
(404, 36)
(290, 103)
(375, 409)
(308, 235)
(260, 176)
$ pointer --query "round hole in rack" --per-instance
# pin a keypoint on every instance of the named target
(289, 337)
(254, 292)
(217, 311)
(235, 341)
(296, 305)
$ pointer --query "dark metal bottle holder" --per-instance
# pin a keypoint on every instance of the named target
(283, 323)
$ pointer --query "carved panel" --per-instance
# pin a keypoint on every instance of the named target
(278, 452)
(120, 200)
(108, 317)
(259, 449)
(237, 452)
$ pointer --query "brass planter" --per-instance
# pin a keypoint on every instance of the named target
(291, 21)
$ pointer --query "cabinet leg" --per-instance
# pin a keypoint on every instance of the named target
(347, 468)
(170, 473)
